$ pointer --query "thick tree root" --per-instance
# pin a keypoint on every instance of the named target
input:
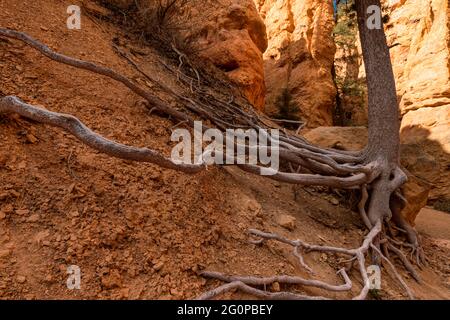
(69, 123)
(374, 170)
(247, 284)
(257, 293)
(243, 282)
(332, 168)
(394, 270)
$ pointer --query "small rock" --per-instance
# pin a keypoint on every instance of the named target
(158, 266)
(287, 221)
(8, 209)
(74, 213)
(40, 236)
(276, 287)
(33, 218)
(174, 292)
(125, 293)
(22, 165)
(112, 280)
(155, 175)
(5, 253)
(334, 201)
(2, 215)
(22, 212)
(21, 279)
(31, 138)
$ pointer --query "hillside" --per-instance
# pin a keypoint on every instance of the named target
(138, 231)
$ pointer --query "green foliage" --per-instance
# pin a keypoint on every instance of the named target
(350, 87)
(375, 294)
(442, 204)
(345, 29)
(287, 108)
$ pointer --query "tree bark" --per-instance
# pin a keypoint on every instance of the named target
(376, 170)
(384, 121)
(384, 125)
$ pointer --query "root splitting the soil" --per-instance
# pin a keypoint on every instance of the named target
(375, 170)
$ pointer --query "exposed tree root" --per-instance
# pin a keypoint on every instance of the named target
(292, 148)
(357, 254)
(396, 274)
(71, 124)
(256, 292)
(374, 170)
(247, 284)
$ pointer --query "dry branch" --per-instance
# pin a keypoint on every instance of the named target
(357, 253)
(74, 126)
(375, 169)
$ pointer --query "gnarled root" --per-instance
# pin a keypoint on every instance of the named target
(244, 282)
(381, 190)
(375, 170)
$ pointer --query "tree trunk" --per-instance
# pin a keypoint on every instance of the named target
(384, 124)
(376, 170)
(384, 121)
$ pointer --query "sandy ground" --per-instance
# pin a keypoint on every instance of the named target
(137, 231)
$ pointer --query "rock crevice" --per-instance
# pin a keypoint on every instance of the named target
(299, 57)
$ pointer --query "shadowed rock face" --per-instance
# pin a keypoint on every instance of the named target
(231, 34)
(420, 31)
(300, 56)
(428, 130)
(416, 190)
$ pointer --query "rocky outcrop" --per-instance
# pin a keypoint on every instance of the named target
(300, 57)
(416, 190)
(428, 130)
(228, 33)
(231, 34)
(419, 32)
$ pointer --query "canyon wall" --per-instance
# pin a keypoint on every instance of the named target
(286, 48)
(228, 33)
(299, 57)
(418, 31)
(231, 34)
